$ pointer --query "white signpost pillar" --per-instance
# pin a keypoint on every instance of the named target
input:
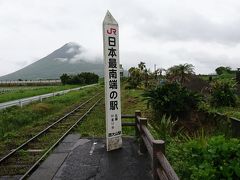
(112, 83)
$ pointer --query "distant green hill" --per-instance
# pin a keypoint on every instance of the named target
(66, 59)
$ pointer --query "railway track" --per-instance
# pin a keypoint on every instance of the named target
(20, 162)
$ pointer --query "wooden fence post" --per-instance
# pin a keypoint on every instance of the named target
(142, 146)
(158, 146)
(137, 114)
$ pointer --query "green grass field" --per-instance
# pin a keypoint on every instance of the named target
(28, 92)
(94, 125)
(18, 124)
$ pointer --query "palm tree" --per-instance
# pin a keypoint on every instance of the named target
(159, 71)
(180, 72)
(142, 66)
(146, 75)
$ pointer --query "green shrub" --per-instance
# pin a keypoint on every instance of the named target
(223, 94)
(135, 78)
(163, 128)
(82, 78)
(171, 99)
(220, 70)
(214, 158)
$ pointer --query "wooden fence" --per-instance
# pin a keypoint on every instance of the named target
(161, 168)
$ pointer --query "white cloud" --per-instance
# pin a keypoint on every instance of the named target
(70, 50)
(61, 59)
(86, 55)
(204, 33)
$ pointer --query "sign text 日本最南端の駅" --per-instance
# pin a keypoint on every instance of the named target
(112, 83)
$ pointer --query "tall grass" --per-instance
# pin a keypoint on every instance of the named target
(163, 128)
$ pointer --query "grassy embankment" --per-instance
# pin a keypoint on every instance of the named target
(24, 93)
(229, 111)
(18, 124)
(94, 124)
(224, 76)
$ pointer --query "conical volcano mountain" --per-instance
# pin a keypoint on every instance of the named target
(69, 59)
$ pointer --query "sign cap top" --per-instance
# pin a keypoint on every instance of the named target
(109, 19)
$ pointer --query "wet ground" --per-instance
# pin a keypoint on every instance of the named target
(87, 159)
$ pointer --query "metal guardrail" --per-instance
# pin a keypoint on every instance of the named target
(24, 101)
(161, 168)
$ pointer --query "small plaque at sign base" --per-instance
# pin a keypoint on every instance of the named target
(114, 143)
(112, 83)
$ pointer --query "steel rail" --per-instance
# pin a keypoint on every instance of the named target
(46, 153)
(45, 130)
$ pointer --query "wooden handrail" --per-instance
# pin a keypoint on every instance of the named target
(148, 134)
(148, 146)
(161, 174)
(170, 173)
(128, 116)
(128, 124)
(161, 168)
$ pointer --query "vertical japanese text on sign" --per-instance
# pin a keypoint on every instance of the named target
(112, 83)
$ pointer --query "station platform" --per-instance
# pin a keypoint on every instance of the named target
(79, 158)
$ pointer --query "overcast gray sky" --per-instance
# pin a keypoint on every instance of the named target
(205, 33)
